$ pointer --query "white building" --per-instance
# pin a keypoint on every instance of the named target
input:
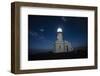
(60, 44)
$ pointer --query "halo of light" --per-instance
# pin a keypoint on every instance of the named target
(59, 29)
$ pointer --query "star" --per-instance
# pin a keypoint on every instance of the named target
(42, 30)
(63, 18)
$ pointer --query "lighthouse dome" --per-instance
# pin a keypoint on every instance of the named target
(59, 29)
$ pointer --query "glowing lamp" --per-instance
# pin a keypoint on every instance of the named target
(59, 29)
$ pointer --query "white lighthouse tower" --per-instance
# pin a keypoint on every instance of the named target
(59, 41)
(61, 45)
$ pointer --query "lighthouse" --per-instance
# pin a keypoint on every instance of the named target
(61, 45)
(59, 34)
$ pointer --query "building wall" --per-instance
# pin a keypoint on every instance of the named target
(59, 46)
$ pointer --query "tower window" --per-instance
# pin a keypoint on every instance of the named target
(67, 48)
(59, 46)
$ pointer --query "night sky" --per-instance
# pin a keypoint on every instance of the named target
(42, 31)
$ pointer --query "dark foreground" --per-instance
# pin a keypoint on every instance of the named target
(75, 54)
